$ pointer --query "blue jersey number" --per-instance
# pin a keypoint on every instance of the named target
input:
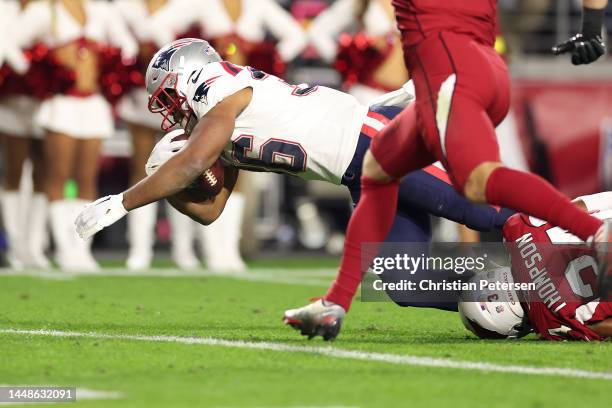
(275, 155)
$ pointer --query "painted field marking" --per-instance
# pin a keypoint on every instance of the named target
(333, 352)
(306, 277)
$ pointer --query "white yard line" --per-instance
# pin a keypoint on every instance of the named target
(306, 277)
(334, 353)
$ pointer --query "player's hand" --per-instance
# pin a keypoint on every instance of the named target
(583, 50)
(99, 215)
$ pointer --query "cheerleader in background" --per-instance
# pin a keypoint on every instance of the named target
(238, 30)
(144, 128)
(370, 60)
(76, 121)
(24, 216)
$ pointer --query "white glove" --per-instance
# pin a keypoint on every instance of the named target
(99, 215)
(167, 147)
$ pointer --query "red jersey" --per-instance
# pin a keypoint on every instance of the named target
(420, 18)
(564, 271)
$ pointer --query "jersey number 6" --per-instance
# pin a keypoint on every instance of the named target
(274, 155)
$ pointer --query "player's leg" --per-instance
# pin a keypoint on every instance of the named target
(36, 222)
(141, 222)
(86, 177)
(400, 150)
(59, 151)
(16, 151)
(430, 190)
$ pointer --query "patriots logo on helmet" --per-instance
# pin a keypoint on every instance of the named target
(201, 94)
(163, 59)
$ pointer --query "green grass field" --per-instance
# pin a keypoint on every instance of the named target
(263, 363)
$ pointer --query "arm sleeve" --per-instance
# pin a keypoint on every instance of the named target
(283, 26)
(119, 35)
(213, 85)
(34, 24)
(176, 17)
(328, 25)
(597, 202)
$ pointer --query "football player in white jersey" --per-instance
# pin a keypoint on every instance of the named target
(256, 121)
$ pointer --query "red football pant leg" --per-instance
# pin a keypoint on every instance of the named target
(530, 194)
(399, 147)
(462, 90)
(460, 100)
(370, 225)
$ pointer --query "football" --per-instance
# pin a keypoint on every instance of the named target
(208, 185)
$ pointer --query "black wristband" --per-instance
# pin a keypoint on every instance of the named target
(592, 22)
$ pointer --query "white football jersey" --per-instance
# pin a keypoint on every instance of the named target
(309, 132)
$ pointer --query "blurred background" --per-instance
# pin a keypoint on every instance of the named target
(73, 116)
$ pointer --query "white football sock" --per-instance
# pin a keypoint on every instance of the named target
(221, 240)
(87, 262)
(11, 218)
(59, 215)
(141, 236)
(36, 227)
(183, 232)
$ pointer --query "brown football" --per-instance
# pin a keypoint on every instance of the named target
(208, 185)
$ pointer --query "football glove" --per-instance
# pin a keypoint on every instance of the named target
(99, 215)
(583, 50)
(587, 46)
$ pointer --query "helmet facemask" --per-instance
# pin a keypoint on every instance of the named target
(171, 104)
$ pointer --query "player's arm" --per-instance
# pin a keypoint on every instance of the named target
(603, 328)
(587, 46)
(203, 148)
(206, 212)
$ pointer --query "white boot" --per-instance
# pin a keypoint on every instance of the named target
(221, 240)
(36, 227)
(141, 236)
(11, 218)
(182, 228)
(59, 215)
(82, 249)
(72, 253)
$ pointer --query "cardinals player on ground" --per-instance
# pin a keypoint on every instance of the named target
(256, 121)
(565, 304)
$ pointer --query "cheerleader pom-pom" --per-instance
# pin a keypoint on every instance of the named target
(265, 57)
(358, 58)
(46, 76)
(117, 75)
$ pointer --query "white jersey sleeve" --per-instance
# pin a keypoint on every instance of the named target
(597, 202)
(212, 84)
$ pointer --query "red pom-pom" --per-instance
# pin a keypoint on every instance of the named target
(265, 57)
(358, 58)
(117, 76)
(44, 78)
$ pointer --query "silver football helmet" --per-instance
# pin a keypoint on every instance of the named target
(493, 314)
(168, 73)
